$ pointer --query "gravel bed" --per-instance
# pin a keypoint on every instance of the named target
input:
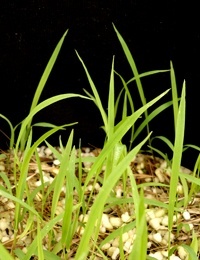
(145, 168)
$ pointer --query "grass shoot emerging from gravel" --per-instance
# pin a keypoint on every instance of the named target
(62, 203)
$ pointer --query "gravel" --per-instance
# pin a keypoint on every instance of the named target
(145, 168)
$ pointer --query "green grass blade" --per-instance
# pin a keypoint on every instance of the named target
(59, 179)
(32, 249)
(38, 108)
(174, 94)
(139, 250)
(67, 231)
(39, 242)
(145, 74)
(24, 169)
(12, 131)
(111, 105)
(97, 207)
(4, 253)
(47, 72)
(150, 117)
(177, 155)
(118, 134)
(96, 95)
(133, 68)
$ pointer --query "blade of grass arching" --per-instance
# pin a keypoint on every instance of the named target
(97, 208)
(124, 108)
(134, 70)
(132, 65)
(163, 155)
(174, 94)
(42, 83)
(12, 132)
(190, 251)
(117, 101)
(165, 140)
(48, 125)
(145, 74)
(4, 253)
(177, 155)
(118, 232)
(62, 174)
(47, 72)
(193, 146)
(128, 94)
(117, 136)
(111, 104)
(5, 194)
(68, 220)
(190, 178)
(39, 107)
(150, 117)
(96, 95)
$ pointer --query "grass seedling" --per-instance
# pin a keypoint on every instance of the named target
(63, 217)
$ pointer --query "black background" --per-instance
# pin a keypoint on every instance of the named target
(155, 31)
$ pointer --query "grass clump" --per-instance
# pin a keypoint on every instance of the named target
(109, 203)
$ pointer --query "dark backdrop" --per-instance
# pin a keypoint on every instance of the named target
(155, 31)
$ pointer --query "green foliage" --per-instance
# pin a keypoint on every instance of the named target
(116, 159)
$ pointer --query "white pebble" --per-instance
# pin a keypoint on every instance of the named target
(128, 246)
(149, 244)
(2, 168)
(48, 151)
(179, 189)
(159, 174)
(113, 252)
(84, 218)
(157, 237)
(105, 246)
(150, 214)
(10, 205)
(126, 236)
(4, 239)
(3, 224)
(97, 186)
(163, 165)
(167, 235)
(182, 253)
(165, 253)
(115, 242)
(160, 213)
(125, 217)
(155, 223)
(115, 222)
(186, 215)
(165, 220)
(119, 192)
(56, 162)
(105, 222)
(157, 255)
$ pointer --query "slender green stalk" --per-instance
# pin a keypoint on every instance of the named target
(41, 86)
(177, 155)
